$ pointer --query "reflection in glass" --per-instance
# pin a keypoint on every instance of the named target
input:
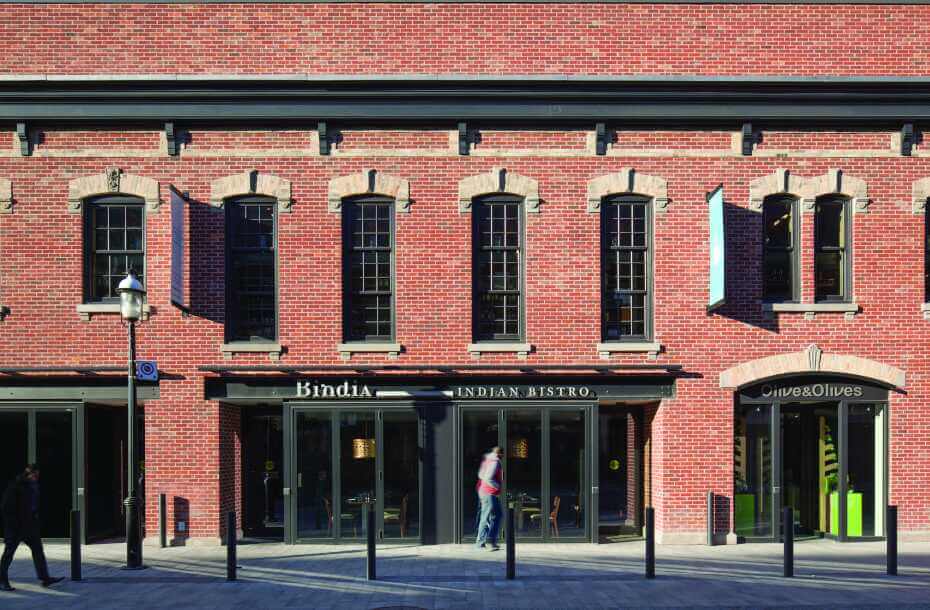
(263, 510)
(14, 446)
(752, 462)
(830, 257)
(54, 449)
(479, 435)
(865, 499)
(778, 263)
(566, 474)
(401, 475)
(810, 466)
(357, 474)
(314, 475)
(523, 470)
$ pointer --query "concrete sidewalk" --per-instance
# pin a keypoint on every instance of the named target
(456, 576)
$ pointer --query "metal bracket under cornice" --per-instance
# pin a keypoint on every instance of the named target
(908, 139)
(464, 143)
(600, 139)
(748, 139)
(322, 132)
(22, 134)
(171, 139)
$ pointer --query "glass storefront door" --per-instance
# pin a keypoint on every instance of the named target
(365, 459)
(825, 460)
(263, 465)
(48, 436)
(545, 469)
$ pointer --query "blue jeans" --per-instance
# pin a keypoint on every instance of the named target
(490, 521)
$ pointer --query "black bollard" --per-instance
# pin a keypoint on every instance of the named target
(511, 544)
(650, 542)
(76, 545)
(372, 575)
(231, 546)
(787, 527)
(892, 539)
(710, 518)
(162, 520)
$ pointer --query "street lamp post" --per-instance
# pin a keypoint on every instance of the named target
(131, 294)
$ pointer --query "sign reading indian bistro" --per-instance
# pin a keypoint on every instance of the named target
(516, 392)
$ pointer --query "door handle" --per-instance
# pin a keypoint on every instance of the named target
(300, 479)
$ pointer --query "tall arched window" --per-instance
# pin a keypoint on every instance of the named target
(115, 240)
(831, 238)
(498, 268)
(368, 268)
(780, 245)
(251, 269)
(626, 268)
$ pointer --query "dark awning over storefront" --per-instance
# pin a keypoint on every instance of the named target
(505, 385)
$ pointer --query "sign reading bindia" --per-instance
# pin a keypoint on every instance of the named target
(309, 389)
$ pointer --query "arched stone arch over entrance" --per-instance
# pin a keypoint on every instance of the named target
(812, 360)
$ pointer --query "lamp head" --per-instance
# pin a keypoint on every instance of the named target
(131, 295)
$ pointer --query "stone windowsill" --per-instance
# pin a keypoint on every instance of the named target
(811, 309)
(490, 347)
(361, 347)
(272, 349)
(620, 347)
(88, 310)
(925, 308)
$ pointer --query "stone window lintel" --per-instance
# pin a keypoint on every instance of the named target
(499, 180)
(369, 182)
(113, 182)
(628, 181)
(252, 182)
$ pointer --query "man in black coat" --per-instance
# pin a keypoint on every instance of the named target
(20, 506)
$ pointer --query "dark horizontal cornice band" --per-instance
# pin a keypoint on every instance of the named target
(536, 99)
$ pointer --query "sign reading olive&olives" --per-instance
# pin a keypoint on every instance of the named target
(811, 389)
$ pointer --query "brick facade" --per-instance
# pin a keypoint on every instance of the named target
(193, 449)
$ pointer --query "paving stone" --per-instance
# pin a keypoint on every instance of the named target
(456, 576)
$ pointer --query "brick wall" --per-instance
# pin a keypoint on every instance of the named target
(192, 449)
(467, 38)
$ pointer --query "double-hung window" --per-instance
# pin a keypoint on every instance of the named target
(780, 251)
(626, 269)
(251, 270)
(368, 268)
(831, 256)
(498, 268)
(115, 239)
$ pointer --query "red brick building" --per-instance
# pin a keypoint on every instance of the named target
(404, 233)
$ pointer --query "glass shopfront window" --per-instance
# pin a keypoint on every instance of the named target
(817, 446)
(865, 504)
(368, 460)
(752, 471)
(545, 469)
